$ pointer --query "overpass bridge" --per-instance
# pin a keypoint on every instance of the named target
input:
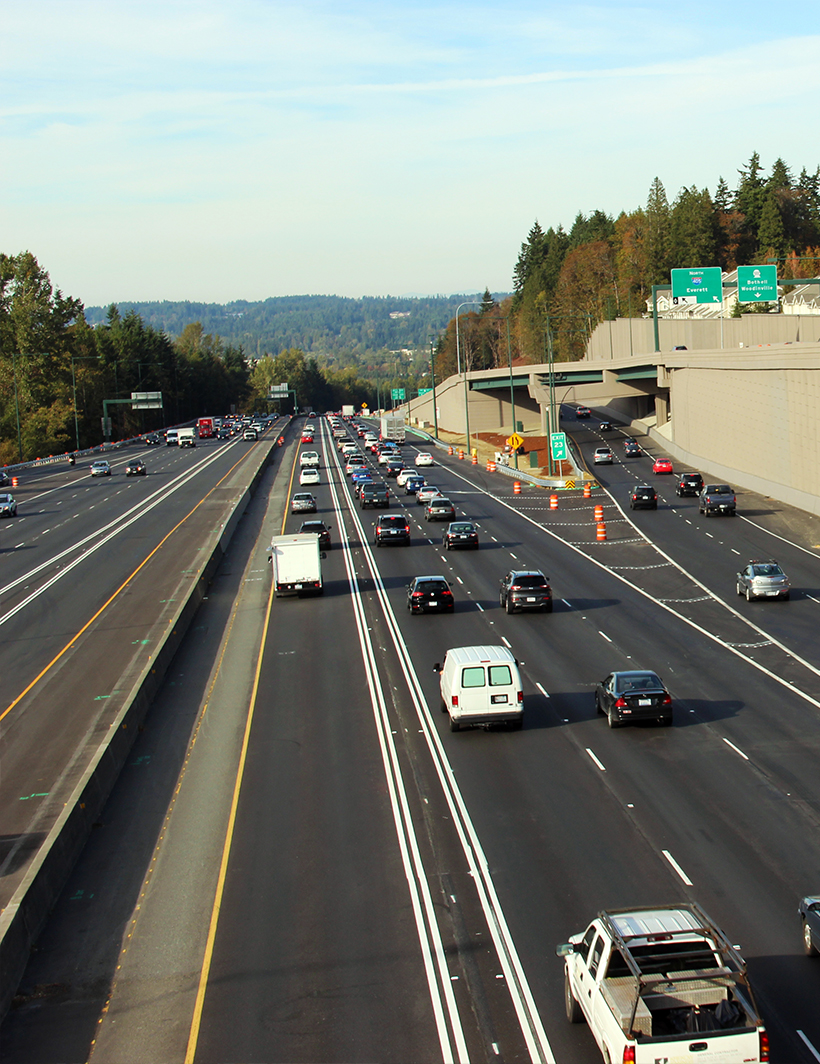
(750, 416)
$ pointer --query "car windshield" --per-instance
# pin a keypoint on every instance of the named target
(393, 521)
(767, 569)
(462, 526)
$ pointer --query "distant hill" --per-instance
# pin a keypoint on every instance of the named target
(321, 326)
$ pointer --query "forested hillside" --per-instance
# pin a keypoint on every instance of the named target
(350, 331)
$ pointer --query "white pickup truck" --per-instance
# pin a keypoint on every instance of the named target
(662, 985)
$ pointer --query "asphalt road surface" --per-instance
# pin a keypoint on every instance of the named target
(302, 863)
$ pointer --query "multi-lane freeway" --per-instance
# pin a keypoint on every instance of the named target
(302, 863)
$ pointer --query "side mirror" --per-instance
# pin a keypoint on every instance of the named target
(565, 949)
(437, 667)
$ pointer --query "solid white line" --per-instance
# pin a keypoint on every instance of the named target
(677, 867)
(595, 759)
(736, 750)
(808, 1044)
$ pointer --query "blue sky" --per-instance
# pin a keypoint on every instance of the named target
(216, 151)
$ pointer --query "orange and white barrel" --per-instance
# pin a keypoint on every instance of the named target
(601, 532)
(516, 487)
(553, 502)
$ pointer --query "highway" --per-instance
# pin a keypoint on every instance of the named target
(304, 864)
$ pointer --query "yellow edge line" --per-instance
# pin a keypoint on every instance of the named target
(119, 590)
(196, 1019)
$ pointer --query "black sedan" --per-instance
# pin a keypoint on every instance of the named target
(153, 440)
(624, 697)
(809, 912)
(428, 593)
(136, 468)
(318, 528)
(461, 534)
(632, 449)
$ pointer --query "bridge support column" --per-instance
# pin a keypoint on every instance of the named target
(661, 409)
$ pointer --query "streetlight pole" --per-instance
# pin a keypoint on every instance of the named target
(469, 303)
(17, 407)
(78, 358)
(433, 382)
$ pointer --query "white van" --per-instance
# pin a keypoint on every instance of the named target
(481, 685)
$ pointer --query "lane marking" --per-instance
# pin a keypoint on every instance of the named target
(735, 748)
(595, 759)
(677, 868)
(541, 689)
(809, 1046)
(605, 636)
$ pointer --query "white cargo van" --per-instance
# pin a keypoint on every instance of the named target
(481, 685)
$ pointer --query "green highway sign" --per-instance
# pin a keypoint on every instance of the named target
(397, 393)
(705, 284)
(424, 391)
(558, 446)
(757, 284)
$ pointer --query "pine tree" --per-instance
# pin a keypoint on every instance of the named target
(771, 233)
(657, 234)
(722, 197)
(692, 229)
(528, 257)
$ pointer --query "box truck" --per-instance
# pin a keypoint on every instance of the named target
(296, 561)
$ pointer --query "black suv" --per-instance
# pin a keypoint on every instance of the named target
(430, 593)
(717, 499)
(689, 484)
(392, 528)
(525, 589)
(643, 497)
(374, 494)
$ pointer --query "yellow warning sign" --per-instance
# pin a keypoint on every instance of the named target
(569, 484)
(515, 441)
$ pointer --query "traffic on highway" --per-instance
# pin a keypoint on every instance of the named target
(394, 800)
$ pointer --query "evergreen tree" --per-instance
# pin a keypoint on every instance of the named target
(487, 302)
(771, 233)
(529, 255)
(722, 198)
(692, 229)
(657, 234)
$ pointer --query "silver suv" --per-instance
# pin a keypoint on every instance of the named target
(763, 580)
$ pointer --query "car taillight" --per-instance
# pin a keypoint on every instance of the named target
(629, 1055)
(520, 696)
(417, 594)
(621, 703)
(515, 587)
(455, 700)
(764, 1047)
(667, 701)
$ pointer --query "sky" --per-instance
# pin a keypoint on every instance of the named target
(215, 151)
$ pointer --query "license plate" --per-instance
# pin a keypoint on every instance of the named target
(644, 701)
(530, 598)
(772, 592)
(432, 602)
(298, 587)
(497, 699)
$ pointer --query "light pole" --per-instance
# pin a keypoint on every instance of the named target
(78, 358)
(17, 407)
(433, 382)
(512, 387)
(469, 303)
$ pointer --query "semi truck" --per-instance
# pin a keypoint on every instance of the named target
(296, 561)
(206, 428)
(662, 984)
(392, 428)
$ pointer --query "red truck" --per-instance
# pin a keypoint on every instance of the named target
(205, 427)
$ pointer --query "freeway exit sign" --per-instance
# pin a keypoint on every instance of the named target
(757, 284)
(558, 446)
(705, 284)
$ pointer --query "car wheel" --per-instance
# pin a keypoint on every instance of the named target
(517, 724)
(598, 709)
(455, 725)
(749, 595)
(442, 705)
(446, 544)
(785, 596)
(654, 506)
(574, 1013)
(612, 720)
(509, 606)
(809, 947)
(739, 588)
(665, 722)
(548, 607)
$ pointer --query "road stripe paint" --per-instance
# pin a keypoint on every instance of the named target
(735, 551)
(809, 1046)
(709, 534)
(604, 635)
(513, 556)
(506, 642)
(481, 607)
(459, 580)
(677, 868)
(736, 750)
(595, 759)
(541, 689)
